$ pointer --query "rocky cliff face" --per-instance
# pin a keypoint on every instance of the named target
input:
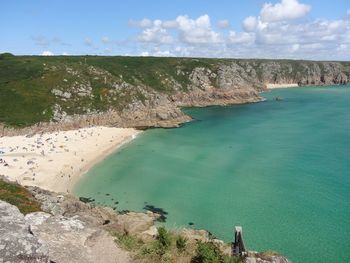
(150, 92)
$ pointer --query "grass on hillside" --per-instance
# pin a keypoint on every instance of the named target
(18, 196)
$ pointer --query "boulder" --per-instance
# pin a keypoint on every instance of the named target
(42, 237)
(17, 242)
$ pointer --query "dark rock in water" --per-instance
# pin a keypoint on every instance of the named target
(190, 223)
(116, 202)
(160, 211)
(122, 212)
(211, 236)
(86, 199)
(107, 194)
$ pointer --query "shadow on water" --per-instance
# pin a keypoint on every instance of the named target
(160, 211)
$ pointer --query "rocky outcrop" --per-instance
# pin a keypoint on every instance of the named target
(17, 242)
(43, 237)
(255, 257)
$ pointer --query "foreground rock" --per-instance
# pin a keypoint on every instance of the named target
(17, 242)
(42, 237)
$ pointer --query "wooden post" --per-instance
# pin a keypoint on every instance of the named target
(238, 248)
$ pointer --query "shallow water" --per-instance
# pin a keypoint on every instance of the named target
(281, 169)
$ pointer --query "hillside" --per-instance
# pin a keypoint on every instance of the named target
(139, 91)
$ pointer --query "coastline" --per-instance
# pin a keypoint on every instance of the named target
(25, 168)
(56, 161)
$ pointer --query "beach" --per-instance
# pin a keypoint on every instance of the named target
(282, 85)
(55, 161)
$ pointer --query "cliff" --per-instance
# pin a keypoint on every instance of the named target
(48, 93)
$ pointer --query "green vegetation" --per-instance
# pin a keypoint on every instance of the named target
(98, 83)
(26, 83)
(171, 247)
(164, 238)
(18, 196)
(128, 242)
(181, 243)
(209, 252)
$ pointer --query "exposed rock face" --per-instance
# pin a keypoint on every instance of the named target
(41, 237)
(17, 243)
(133, 103)
(141, 224)
(255, 257)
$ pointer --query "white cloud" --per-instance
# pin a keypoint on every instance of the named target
(187, 30)
(65, 54)
(197, 31)
(163, 53)
(250, 23)
(241, 38)
(145, 54)
(170, 24)
(348, 12)
(47, 53)
(157, 53)
(142, 23)
(306, 39)
(286, 10)
(155, 34)
(223, 24)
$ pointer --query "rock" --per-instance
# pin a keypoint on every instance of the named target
(197, 235)
(137, 223)
(17, 243)
(250, 260)
(265, 257)
(41, 237)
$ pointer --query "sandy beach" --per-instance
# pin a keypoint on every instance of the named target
(282, 85)
(55, 161)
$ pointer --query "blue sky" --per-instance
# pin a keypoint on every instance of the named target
(307, 29)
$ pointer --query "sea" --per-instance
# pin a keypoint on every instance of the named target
(279, 168)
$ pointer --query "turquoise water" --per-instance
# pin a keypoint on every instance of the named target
(281, 169)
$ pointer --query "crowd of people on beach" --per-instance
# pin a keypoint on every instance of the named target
(54, 160)
(3, 162)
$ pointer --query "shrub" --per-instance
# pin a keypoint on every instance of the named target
(164, 238)
(208, 252)
(181, 243)
(128, 242)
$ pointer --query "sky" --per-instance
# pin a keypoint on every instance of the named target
(293, 29)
